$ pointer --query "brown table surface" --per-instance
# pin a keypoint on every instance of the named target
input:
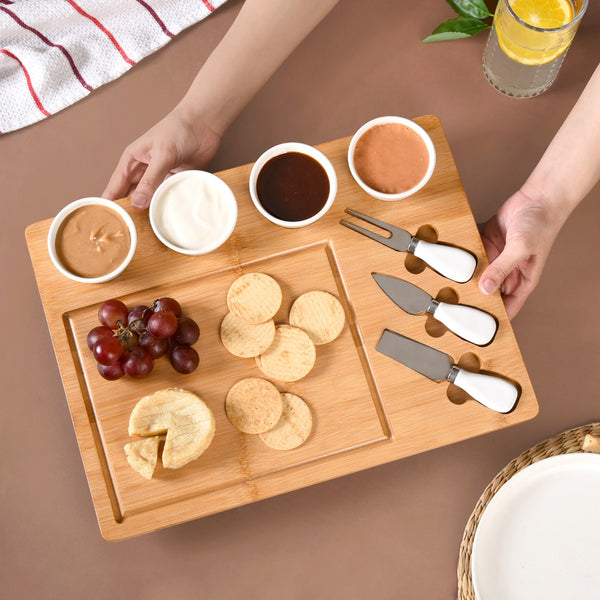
(389, 532)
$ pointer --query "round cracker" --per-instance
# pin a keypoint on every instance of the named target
(290, 357)
(294, 426)
(320, 314)
(254, 298)
(253, 405)
(245, 340)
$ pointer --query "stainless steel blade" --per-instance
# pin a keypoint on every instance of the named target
(421, 358)
(407, 296)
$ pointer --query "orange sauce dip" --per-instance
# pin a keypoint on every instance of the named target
(391, 158)
(92, 241)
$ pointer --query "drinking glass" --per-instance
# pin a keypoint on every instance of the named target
(523, 60)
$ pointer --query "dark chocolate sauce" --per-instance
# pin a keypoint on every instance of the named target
(292, 186)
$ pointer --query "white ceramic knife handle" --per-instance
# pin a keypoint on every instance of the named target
(495, 393)
(455, 263)
(468, 322)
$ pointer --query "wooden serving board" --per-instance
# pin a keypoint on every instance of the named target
(367, 409)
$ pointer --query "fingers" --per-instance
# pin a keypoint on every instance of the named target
(492, 248)
(492, 278)
(145, 189)
(122, 177)
(158, 168)
(141, 169)
(513, 303)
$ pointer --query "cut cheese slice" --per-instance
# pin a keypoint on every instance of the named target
(142, 455)
(183, 416)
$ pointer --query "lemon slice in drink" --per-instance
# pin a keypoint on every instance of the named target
(528, 46)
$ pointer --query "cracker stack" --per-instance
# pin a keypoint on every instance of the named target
(283, 421)
(284, 352)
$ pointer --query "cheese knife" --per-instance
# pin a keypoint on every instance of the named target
(451, 262)
(467, 322)
(495, 393)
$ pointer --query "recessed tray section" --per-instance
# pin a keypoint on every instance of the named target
(340, 389)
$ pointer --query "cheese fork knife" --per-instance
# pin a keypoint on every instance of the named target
(451, 262)
(470, 323)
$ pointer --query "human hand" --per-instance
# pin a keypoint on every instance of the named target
(518, 239)
(174, 144)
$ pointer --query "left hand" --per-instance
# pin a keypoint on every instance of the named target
(175, 143)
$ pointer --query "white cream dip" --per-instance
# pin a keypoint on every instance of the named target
(194, 211)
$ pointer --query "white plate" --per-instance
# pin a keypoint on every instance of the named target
(539, 537)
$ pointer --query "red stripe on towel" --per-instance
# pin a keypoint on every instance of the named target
(156, 18)
(208, 5)
(47, 41)
(102, 28)
(29, 84)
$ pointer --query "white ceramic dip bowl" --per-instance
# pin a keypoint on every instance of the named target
(193, 212)
(60, 218)
(384, 121)
(285, 148)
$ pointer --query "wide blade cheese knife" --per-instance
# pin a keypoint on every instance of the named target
(468, 322)
(493, 392)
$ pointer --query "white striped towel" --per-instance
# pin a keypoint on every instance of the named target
(55, 52)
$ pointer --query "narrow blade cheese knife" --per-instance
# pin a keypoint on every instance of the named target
(470, 323)
(493, 392)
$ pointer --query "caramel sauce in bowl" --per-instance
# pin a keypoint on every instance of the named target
(391, 158)
(292, 184)
(92, 240)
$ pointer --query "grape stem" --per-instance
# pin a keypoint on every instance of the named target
(125, 333)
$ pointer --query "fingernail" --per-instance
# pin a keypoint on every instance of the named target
(488, 287)
(139, 201)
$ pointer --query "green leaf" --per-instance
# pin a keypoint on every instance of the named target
(455, 29)
(470, 8)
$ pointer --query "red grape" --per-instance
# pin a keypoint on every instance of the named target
(184, 359)
(108, 350)
(156, 346)
(168, 304)
(187, 332)
(162, 324)
(137, 363)
(112, 312)
(139, 313)
(111, 372)
(128, 341)
(98, 333)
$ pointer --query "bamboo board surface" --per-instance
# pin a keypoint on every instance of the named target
(367, 409)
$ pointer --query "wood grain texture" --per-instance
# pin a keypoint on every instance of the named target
(367, 409)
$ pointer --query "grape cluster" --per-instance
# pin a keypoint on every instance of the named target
(128, 341)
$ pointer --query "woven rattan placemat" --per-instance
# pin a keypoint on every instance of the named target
(564, 443)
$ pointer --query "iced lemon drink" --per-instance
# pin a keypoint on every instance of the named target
(528, 43)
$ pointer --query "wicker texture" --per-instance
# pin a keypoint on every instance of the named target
(564, 443)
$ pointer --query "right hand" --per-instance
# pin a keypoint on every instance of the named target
(174, 144)
(517, 240)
